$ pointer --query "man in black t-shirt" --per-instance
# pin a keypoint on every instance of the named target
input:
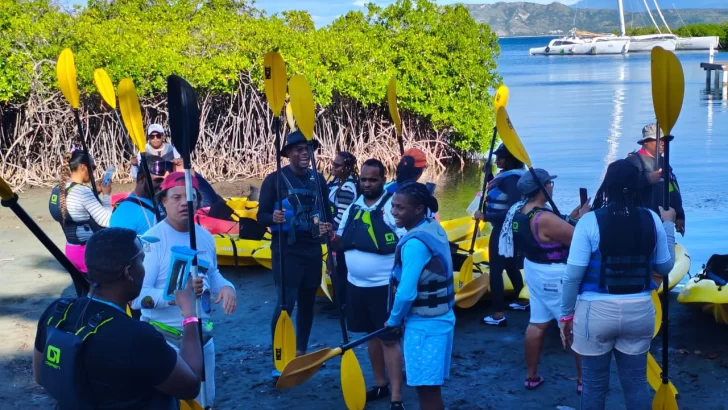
(127, 364)
(302, 236)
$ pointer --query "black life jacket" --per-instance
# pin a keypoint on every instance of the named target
(71, 228)
(623, 264)
(63, 373)
(526, 242)
(367, 231)
(302, 212)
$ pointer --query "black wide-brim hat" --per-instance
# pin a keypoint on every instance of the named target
(294, 138)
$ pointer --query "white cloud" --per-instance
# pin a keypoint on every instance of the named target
(360, 3)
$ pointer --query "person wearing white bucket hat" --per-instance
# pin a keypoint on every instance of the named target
(156, 145)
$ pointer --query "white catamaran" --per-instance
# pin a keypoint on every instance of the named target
(649, 41)
(583, 43)
(680, 43)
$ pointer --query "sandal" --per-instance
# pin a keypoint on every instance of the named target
(531, 384)
(579, 388)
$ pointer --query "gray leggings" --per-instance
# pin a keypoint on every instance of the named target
(306, 299)
(632, 375)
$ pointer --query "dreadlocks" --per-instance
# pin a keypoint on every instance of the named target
(619, 190)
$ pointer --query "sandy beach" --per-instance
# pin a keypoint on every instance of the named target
(488, 367)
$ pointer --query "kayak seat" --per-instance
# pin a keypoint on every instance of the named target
(716, 270)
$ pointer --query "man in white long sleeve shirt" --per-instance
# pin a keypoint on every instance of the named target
(174, 231)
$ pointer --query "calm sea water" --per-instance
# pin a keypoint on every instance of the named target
(576, 114)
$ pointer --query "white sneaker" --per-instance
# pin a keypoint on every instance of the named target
(516, 306)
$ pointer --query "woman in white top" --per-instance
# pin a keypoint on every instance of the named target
(74, 205)
(343, 191)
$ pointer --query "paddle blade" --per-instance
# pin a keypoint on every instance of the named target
(289, 117)
(184, 116)
(324, 283)
(658, 313)
(501, 97)
(274, 81)
(668, 88)
(654, 374)
(472, 292)
(131, 113)
(509, 137)
(105, 86)
(466, 273)
(284, 341)
(392, 102)
(6, 193)
(664, 399)
(304, 367)
(189, 405)
(352, 382)
(66, 73)
(303, 106)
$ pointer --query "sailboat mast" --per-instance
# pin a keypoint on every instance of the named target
(621, 18)
(661, 16)
(652, 18)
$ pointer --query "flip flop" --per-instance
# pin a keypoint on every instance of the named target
(532, 384)
(579, 388)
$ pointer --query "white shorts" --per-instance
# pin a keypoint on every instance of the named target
(544, 288)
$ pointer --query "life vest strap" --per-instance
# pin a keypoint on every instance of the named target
(433, 301)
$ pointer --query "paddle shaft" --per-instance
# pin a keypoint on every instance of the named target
(144, 167)
(127, 145)
(79, 282)
(194, 271)
(666, 280)
(279, 201)
(370, 336)
(88, 154)
(329, 260)
(488, 171)
(545, 193)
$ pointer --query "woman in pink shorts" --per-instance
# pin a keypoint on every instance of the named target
(74, 205)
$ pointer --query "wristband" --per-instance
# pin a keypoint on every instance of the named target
(566, 319)
(191, 319)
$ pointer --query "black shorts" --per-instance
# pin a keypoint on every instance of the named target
(366, 310)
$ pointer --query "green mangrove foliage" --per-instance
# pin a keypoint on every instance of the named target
(444, 61)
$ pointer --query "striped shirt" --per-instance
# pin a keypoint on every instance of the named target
(82, 205)
(341, 197)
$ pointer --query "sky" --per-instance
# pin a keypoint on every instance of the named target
(324, 12)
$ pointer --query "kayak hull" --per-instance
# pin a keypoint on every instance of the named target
(706, 295)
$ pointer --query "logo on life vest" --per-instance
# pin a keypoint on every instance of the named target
(54, 199)
(53, 357)
(389, 238)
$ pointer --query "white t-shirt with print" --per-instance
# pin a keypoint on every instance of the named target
(370, 269)
(156, 265)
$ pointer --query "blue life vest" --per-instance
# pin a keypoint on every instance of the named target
(622, 267)
(435, 287)
(367, 231)
(72, 229)
(496, 199)
(300, 205)
(526, 240)
(62, 373)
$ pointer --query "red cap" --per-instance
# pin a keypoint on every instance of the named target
(418, 155)
(177, 179)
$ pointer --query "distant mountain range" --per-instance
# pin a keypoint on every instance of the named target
(530, 19)
(639, 5)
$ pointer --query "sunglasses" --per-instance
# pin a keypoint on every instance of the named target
(338, 165)
(155, 135)
(160, 168)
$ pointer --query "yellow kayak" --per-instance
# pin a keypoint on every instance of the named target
(233, 251)
(462, 228)
(704, 293)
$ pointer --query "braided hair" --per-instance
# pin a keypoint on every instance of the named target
(350, 164)
(419, 195)
(620, 190)
(71, 162)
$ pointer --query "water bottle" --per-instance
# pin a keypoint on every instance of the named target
(108, 175)
(474, 204)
